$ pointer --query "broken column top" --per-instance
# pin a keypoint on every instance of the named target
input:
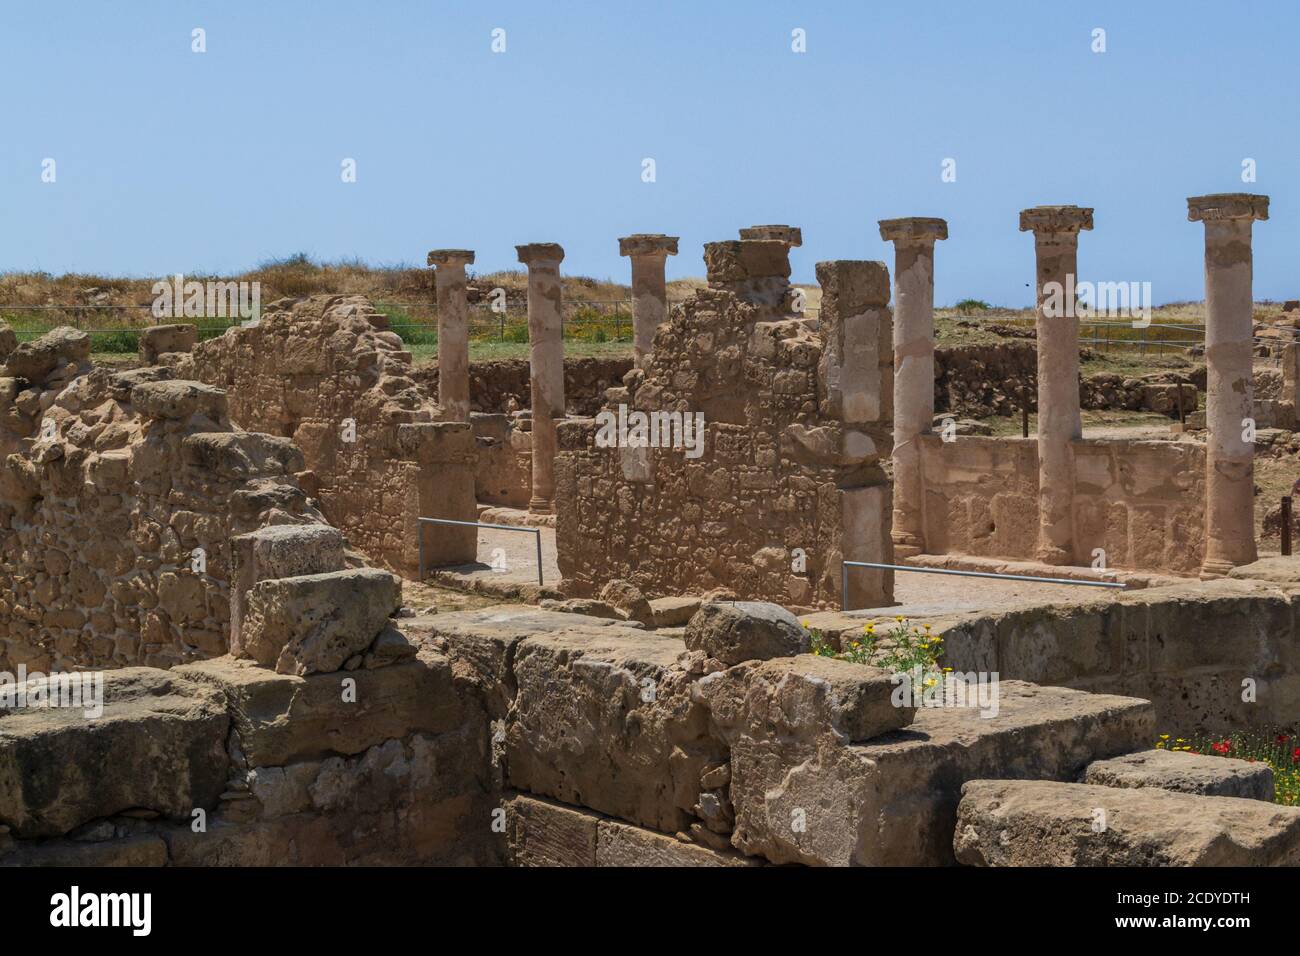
(851, 286)
(1227, 206)
(540, 252)
(1056, 218)
(448, 257)
(740, 260)
(647, 243)
(920, 228)
(790, 235)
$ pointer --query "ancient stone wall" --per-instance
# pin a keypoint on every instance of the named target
(1142, 502)
(118, 499)
(796, 423)
(325, 372)
(500, 385)
(225, 763)
(981, 495)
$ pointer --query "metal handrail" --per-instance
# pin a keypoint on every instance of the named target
(845, 565)
(481, 524)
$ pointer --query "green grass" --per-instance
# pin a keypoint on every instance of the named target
(1280, 749)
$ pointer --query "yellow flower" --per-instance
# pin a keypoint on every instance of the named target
(805, 623)
(1160, 745)
(898, 617)
(1164, 736)
(930, 682)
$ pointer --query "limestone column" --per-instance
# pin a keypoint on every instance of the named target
(453, 331)
(1056, 248)
(914, 240)
(546, 364)
(649, 252)
(1229, 388)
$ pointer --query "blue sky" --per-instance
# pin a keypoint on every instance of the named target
(169, 161)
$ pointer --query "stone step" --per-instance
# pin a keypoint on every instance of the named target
(1185, 773)
(1042, 823)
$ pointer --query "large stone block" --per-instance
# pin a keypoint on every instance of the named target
(1043, 823)
(242, 454)
(282, 719)
(315, 622)
(178, 400)
(603, 718)
(1185, 773)
(745, 630)
(36, 359)
(893, 799)
(159, 744)
(278, 551)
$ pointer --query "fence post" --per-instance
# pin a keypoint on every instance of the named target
(1286, 525)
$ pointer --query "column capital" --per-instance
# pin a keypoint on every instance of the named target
(538, 252)
(451, 257)
(790, 235)
(1226, 206)
(1056, 219)
(647, 244)
(913, 229)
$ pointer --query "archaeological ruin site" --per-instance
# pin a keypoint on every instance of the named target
(730, 602)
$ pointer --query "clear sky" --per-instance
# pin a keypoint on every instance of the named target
(173, 161)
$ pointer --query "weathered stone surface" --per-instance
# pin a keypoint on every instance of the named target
(283, 719)
(673, 611)
(745, 631)
(313, 623)
(1278, 569)
(546, 833)
(278, 551)
(36, 359)
(893, 800)
(804, 697)
(174, 399)
(159, 744)
(8, 341)
(1043, 823)
(483, 643)
(325, 372)
(140, 850)
(603, 718)
(1184, 773)
(159, 339)
(628, 600)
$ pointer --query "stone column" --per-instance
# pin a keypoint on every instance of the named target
(1056, 247)
(649, 252)
(914, 240)
(453, 331)
(1229, 388)
(546, 364)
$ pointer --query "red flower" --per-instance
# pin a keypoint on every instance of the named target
(1282, 738)
(1295, 755)
(1222, 747)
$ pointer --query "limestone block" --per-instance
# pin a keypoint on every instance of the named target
(313, 623)
(628, 600)
(36, 359)
(157, 339)
(278, 551)
(159, 744)
(1185, 773)
(179, 400)
(893, 799)
(242, 454)
(673, 611)
(744, 631)
(1043, 823)
(8, 341)
(544, 833)
(603, 718)
(282, 719)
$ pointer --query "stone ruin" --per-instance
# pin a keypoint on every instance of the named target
(327, 373)
(219, 529)
(796, 423)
